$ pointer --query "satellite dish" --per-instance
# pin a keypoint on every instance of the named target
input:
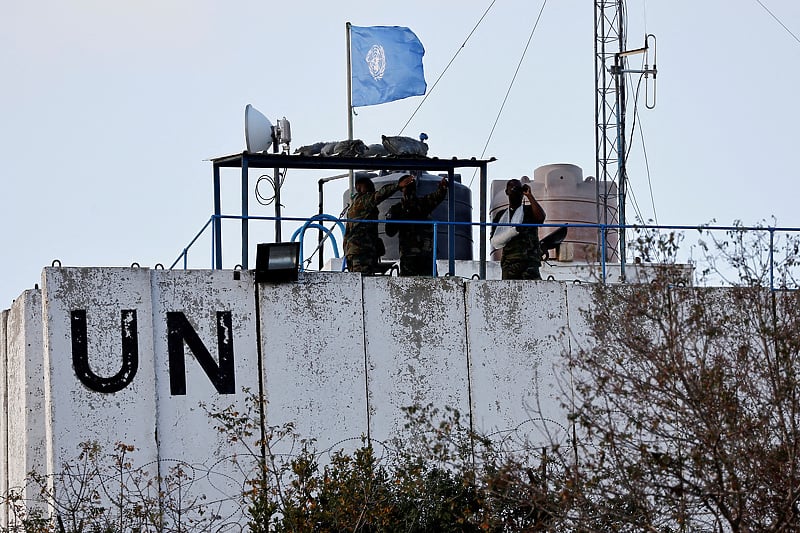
(257, 130)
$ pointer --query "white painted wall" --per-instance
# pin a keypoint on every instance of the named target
(76, 413)
(188, 438)
(26, 421)
(341, 356)
(576, 336)
(513, 337)
(416, 348)
(313, 349)
(3, 416)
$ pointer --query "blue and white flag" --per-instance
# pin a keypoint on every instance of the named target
(386, 64)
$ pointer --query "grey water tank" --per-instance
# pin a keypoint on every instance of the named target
(426, 184)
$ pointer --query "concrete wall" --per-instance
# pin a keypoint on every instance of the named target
(416, 348)
(314, 348)
(513, 338)
(172, 434)
(221, 310)
(3, 415)
(25, 367)
(337, 355)
(117, 306)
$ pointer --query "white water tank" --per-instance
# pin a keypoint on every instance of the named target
(568, 198)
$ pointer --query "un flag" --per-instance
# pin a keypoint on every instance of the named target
(386, 64)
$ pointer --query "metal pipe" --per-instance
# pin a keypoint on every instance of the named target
(217, 221)
(451, 217)
(435, 243)
(277, 179)
(482, 229)
(350, 111)
(245, 211)
(320, 183)
(771, 258)
(619, 83)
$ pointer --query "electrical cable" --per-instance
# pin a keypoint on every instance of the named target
(637, 120)
(649, 180)
(641, 131)
(510, 86)
(778, 21)
(644, 14)
(623, 13)
(267, 200)
(428, 93)
(630, 144)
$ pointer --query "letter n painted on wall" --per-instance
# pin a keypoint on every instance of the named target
(180, 333)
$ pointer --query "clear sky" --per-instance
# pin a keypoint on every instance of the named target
(108, 111)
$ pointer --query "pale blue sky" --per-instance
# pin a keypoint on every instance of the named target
(108, 110)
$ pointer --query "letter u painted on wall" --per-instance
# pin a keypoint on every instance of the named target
(180, 333)
(80, 353)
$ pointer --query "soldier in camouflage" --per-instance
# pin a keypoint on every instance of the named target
(522, 254)
(363, 247)
(416, 240)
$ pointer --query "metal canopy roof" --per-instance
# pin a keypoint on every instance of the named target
(267, 160)
(247, 160)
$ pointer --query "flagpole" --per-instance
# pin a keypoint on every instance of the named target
(349, 104)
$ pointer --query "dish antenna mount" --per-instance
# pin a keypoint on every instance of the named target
(260, 134)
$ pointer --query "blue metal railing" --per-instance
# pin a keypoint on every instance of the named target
(185, 253)
(317, 222)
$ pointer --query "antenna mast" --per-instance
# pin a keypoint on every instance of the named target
(609, 105)
(609, 33)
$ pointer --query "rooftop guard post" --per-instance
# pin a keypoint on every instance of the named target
(247, 160)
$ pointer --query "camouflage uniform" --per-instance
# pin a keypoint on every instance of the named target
(522, 255)
(416, 240)
(362, 246)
